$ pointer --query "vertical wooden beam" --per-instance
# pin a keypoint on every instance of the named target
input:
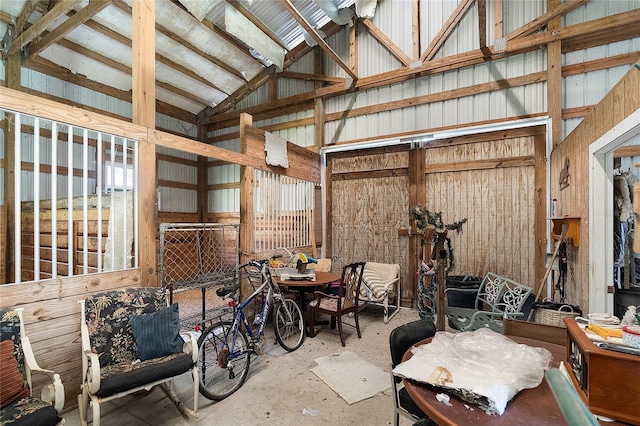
(273, 89)
(203, 178)
(246, 196)
(554, 77)
(497, 14)
(482, 28)
(143, 77)
(415, 29)
(353, 47)
(318, 102)
(417, 195)
(12, 81)
(540, 218)
(328, 237)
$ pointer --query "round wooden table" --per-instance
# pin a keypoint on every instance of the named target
(302, 286)
(535, 406)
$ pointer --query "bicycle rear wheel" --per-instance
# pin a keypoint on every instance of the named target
(288, 324)
(222, 373)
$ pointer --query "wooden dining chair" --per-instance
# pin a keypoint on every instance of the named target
(343, 303)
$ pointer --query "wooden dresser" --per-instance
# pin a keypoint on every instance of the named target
(607, 381)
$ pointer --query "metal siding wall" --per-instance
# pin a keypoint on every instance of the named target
(178, 200)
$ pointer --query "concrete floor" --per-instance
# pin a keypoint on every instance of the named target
(280, 388)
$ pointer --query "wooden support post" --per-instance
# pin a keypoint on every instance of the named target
(144, 113)
(13, 81)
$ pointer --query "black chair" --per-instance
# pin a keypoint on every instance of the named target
(400, 340)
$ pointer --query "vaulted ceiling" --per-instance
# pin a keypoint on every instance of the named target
(209, 53)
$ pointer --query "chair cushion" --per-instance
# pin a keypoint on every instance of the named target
(107, 315)
(29, 411)
(157, 334)
(12, 384)
(326, 303)
(123, 377)
(373, 286)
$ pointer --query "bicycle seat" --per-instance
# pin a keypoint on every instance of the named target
(227, 290)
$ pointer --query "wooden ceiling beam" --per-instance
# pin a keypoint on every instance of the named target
(228, 68)
(66, 27)
(313, 33)
(542, 20)
(258, 23)
(28, 9)
(292, 56)
(567, 34)
(31, 33)
(446, 29)
(162, 59)
(47, 67)
(241, 47)
(601, 28)
(310, 77)
(386, 42)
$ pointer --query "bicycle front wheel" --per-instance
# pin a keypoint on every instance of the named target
(222, 372)
(288, 324)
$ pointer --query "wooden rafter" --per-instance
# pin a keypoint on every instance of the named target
(66, 27)
(310, 77)
(228, 68)
(603, 26)
(542, 20)
(49, 68)
(162, 59)
(386, 42)
(313, 33)
(446, 29)
(293, 55)
(255, 21)
(31, 33)
(28, 9)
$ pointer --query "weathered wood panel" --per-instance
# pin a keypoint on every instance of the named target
(497, 202)
(618, 104)
(52, 320)
(3, 245)
(368, 212)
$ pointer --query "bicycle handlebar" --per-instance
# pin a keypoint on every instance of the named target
(260, 263)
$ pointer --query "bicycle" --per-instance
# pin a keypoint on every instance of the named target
(225, 347)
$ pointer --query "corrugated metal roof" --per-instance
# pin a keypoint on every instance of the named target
(197, 65)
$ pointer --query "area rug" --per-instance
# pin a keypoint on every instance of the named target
(351, 377)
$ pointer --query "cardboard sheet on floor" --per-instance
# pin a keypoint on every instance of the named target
(351, 377)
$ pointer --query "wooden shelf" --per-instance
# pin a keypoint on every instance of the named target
(572, 224)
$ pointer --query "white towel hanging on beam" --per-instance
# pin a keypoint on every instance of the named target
(276, 149)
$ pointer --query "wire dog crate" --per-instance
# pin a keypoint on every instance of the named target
(196, 259)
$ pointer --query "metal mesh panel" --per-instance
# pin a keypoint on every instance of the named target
(196, 259)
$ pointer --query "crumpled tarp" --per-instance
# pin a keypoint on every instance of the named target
(482, 367)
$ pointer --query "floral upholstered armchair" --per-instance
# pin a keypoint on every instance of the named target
(17, 364)
(131, 341)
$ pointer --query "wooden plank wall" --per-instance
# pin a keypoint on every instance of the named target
(3, 244)
(618, 104)
(64, 260)
(52, 320)
(370, 203)
(488, 179)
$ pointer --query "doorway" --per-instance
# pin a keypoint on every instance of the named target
(601, 223)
